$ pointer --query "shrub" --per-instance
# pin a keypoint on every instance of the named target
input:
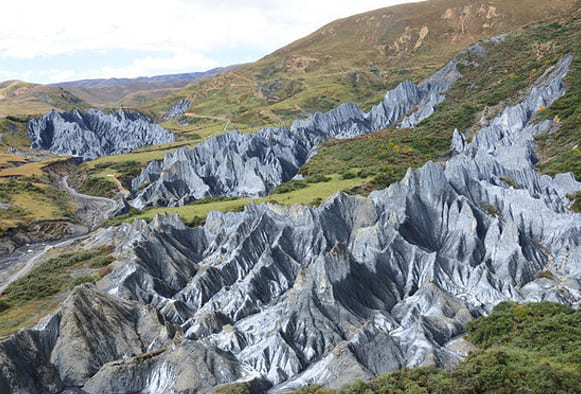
(289, 187)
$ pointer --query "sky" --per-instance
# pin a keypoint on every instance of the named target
(63, 40)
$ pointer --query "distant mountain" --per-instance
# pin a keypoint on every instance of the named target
(131, 92)
(19, 98)
(172, 80)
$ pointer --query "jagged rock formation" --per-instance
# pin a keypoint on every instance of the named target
(287, 296)
(178, 109)
(92, 133)
(236, 164)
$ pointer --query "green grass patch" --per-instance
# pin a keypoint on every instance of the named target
(509, 182)
(32, 198)
(289, 187)
(31, 295)
(97, 186)
(560, 151)
(491, 210)
(48, 278)
(234, 388)
(195, 213)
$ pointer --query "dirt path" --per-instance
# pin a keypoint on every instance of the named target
(91, 210)
(122, 189)
(17, 264)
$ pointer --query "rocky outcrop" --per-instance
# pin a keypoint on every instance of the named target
(92, 133)
(178, 109)
(288, 296)
(249, 165)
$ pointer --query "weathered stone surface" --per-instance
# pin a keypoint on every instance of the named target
(356, 287)
(92, 133)
(178, 109)
(236, 164)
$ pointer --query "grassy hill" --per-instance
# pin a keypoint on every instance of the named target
(19, 98)
(131, 92)
(353, 59)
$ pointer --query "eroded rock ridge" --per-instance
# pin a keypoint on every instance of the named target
(92, 133)
(249, 165)
(287, 296)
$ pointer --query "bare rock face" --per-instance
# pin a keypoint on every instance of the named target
(92, 133)
(287, 296)
(178, 109)
(249, 165)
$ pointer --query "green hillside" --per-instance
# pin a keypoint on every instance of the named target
(19, 98)
(353, 59)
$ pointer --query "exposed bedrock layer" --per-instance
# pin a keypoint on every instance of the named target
(92, 133)
(287, 296)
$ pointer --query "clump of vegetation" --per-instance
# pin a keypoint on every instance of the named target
(576, 198)
(521, 348)
(127, 170)
(509, 182)
(51, 277)
(14, 132)
(545, 274)
(97, 186)
(289, 187)
(195, 221)
(85, 279)
(560, 151)
(209, 200)
(491, 209)
(234, 388)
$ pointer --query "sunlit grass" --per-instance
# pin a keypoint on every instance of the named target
(313, 194)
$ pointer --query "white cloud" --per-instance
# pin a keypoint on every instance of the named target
(191, 29)
(61, 26)
(149, 65)
(9, 75)
(154, 65)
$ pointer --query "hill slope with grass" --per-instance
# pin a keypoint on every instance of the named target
(355, 59)
(19, 98)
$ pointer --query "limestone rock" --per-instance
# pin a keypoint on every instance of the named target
(249, 165)
(287, 296)
(92, 133)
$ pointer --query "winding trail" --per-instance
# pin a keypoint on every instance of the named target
(122, 189)
(91, 210)
(18, 263)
